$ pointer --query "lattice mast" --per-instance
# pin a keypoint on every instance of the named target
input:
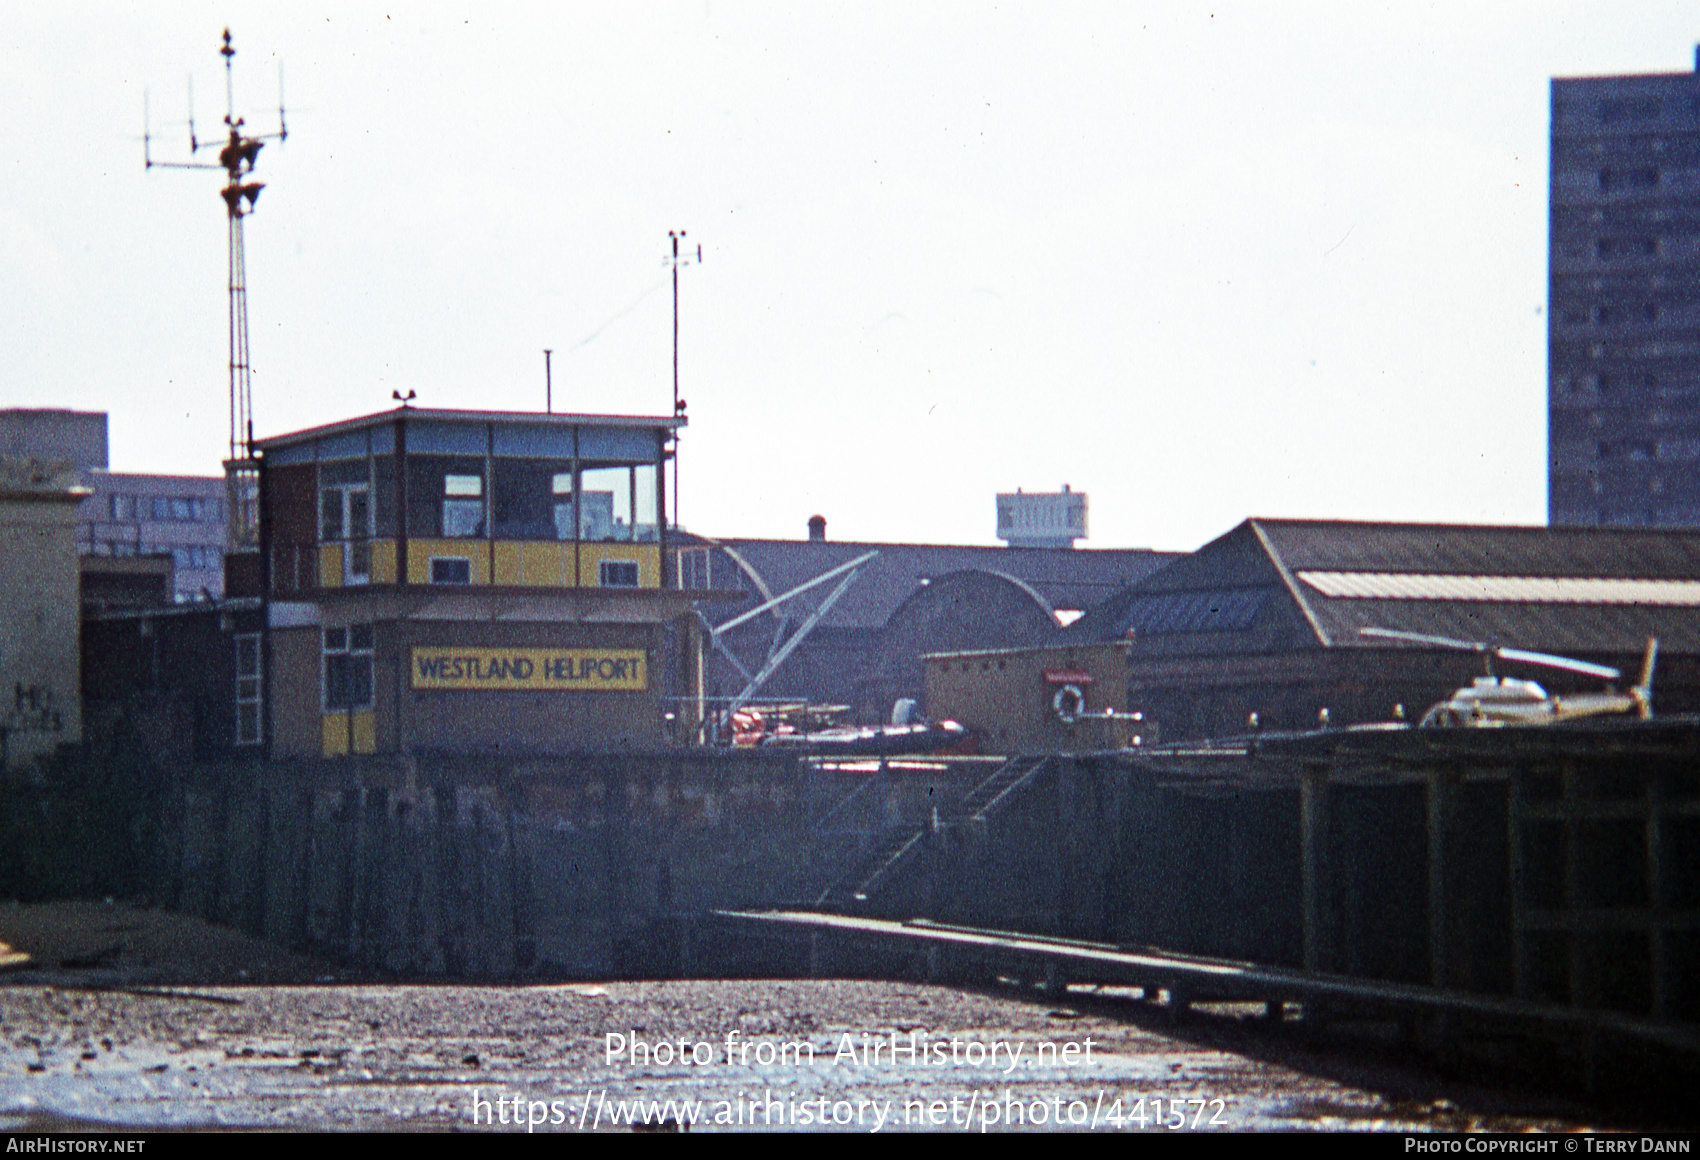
(237, 154)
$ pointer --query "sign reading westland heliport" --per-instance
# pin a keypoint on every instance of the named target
(478, 667)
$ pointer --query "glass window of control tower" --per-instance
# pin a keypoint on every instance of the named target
(618, 503)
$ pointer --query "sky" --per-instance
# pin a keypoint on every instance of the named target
(1200, 261)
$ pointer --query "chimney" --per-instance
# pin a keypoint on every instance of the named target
(817, 529)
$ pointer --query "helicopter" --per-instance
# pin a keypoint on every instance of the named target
(1494, 700)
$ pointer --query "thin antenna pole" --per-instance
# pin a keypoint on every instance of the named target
(548, 384)
(675, 237)
(229, 54)
(678, 403)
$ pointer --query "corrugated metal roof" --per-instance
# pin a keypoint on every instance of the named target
(1477, 550)
(1226, 610)
(1574, 591)
(1502, 589)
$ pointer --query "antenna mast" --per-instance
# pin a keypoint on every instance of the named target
(678, 404)
(236, 157)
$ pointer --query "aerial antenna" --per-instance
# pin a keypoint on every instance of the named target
(237, 157)
(678, 404)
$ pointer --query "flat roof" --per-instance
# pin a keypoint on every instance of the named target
(434, 415)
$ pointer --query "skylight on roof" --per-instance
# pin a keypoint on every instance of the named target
(1502, 589)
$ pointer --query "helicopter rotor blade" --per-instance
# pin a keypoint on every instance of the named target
(1587, 668)
(1604, 672)
(1475, 646)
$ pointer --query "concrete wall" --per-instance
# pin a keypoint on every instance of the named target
(40, 703)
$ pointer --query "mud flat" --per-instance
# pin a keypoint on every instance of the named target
(186, 1025)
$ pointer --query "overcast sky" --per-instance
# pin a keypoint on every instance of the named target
(1200, 261)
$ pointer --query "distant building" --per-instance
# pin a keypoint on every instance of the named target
(1034, 519)
(39, 695)
(1623, 310)
(1267, 619)
(182, 516)
(124, 515)
(50, 434)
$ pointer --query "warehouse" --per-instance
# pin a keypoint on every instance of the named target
(1269, 618)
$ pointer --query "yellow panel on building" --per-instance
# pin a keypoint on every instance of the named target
(383, 562)
(349, 732)
(535, 564)
(420, 553)
(330, 565)
(593, 557)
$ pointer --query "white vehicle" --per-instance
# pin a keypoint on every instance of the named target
(1494, 700)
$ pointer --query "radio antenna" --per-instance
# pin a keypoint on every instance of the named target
(240, 150)
(678, 404)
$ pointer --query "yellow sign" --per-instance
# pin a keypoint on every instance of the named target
(480, 667)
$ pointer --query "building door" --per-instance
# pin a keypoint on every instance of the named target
(346, 515)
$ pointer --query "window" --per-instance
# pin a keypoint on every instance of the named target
(696, 568)
(533, 499)
(1640, 177)
(561, 487)
(617, 574)
(348, 667)
(196, 556)
(1626, 247)
(463, 505)
(123, 507)
(248, 688)
(1636, 450)
(618, 504)
(1629, 312)
(451, 570)
(446, 496)
(1629, 109)
(177, 509)
(345, 513)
